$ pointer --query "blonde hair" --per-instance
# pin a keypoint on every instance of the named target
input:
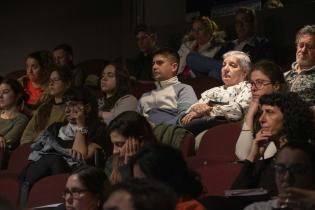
(216, 36)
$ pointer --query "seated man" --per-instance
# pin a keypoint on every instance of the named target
(140, 66)
(294, 167)
(301, 79)
(170, 100)
(63, 56)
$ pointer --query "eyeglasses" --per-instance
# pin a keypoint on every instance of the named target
(74, 192)
(258, 84)
(281, 169)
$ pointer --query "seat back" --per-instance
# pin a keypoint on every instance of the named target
(218, 143)
(187, 145)
(47, 191)
(138, 89)
(93, 66)
(218, 177)
(201, 84)
(16, 74)
(19, 158)
(10, 187)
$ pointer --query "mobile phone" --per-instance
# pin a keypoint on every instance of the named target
(211, 102)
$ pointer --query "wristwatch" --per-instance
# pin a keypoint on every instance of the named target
(83, 130)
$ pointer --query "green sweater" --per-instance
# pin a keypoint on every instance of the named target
(56, 114)
(12, 129)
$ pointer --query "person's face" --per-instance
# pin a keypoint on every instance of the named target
(293, 168)
(231, 71)
(200, 33)
(163, 68)
(56, 86)
(77, 197)
(7, 96)
(33, 70)
(271, 119)
(108, 81)
(119, 200)
(62, 58)
(137, 172)
(305, 51)
(72, 108)
(261, 85)
(119, 142)
(145, 41)
(243, 26)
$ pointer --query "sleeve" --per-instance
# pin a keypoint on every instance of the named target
(236, 108)
(30, 134)
(244, 142)
(186, 98)
(125, 103)
(205, 96)
(14, 135)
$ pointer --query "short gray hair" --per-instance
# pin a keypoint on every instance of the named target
(242, 59)
(308, 29)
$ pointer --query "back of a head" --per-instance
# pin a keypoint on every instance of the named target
(297, 117)
(133, 124)
(166, 164)
(145, 194)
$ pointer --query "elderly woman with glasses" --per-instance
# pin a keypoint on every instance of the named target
(225, 103)
(265, 77)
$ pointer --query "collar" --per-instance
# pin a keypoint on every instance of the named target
(166, 83)
(294, 67)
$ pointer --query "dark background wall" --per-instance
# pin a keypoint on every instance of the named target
(104, 28)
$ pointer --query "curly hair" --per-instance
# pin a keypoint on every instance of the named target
(297, 116)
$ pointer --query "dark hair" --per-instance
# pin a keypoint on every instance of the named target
(18, 90)
(297, 123)
(64, 73)
(86, 96)
(144, 28)
(122, 85)
(250, 13)
(166, 164)
(44, 59)
(93, 179)
(168, 52)
(132, 124)
(306, 147)
(272, 71)
(65, 47)
(146, 194)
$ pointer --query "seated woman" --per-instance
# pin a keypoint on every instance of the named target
(63, 147)
(265, 77)
(52, 110)
(166, 164)
(85, 189)
(12, 120)
(284, 117)
(128, 132)
(115, 86)
(225, 103)
(204, 39)
(35, 81)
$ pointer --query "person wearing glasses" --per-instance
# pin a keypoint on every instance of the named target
(228, 102)
(301, 79)
(265, 77)
(294, 170)
(284, 117)
(52, 110)
(64, 146)
(85, 189)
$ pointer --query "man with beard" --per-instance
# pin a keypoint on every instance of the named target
(301, 78)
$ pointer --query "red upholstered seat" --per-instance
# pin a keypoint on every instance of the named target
(187, 145)
(47, 191)
(10, 187)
